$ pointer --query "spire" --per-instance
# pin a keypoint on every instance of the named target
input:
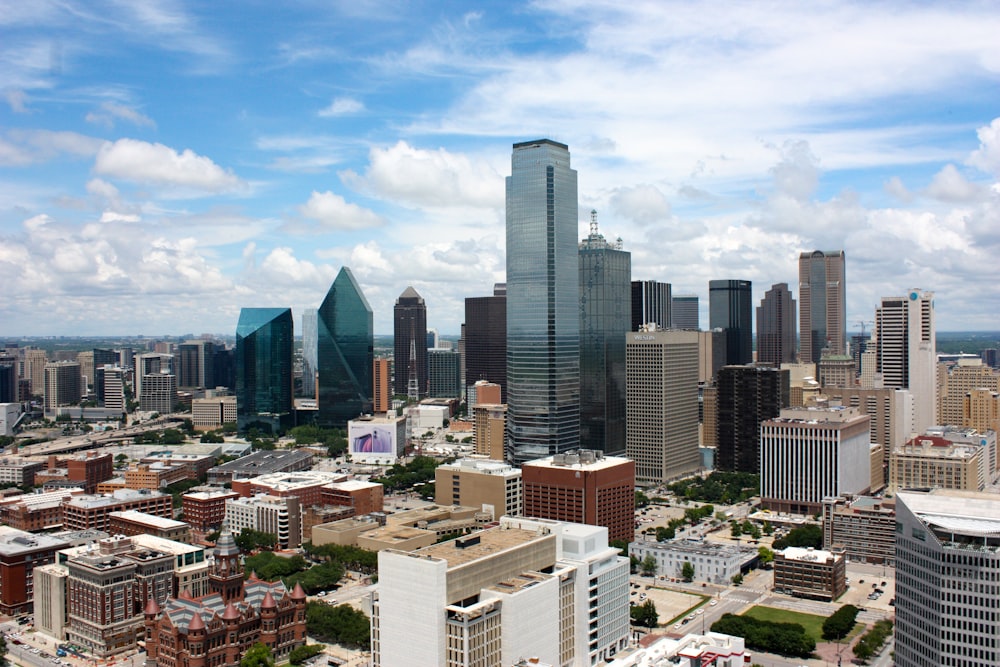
(152, 609)
(226, 544)
(593, 222)
(231, 613)
(298, 593)
(196, 623)
(268, 602)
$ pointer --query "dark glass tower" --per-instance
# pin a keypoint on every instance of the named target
(409, 341)
(486, 340)
(776, 327)
(264, 358)
(605, 315)
(822, 304)
(684, 312)
(543, 303)
(651, 302)
(730, 309)
(746, 397)
(345, 352)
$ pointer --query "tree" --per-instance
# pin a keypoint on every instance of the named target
(249, 540)
(302, 653)
(212, 537)
(735, 529)
(212, 437)
(641, 499)
(342, 624)
(737, 579)
(648, 565)
(766, 555)
(258, 655)
(645, 614)
(840, 622)
(121, 459)
(808, 535)
(687, 571)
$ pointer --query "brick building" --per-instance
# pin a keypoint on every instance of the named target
(89, 512)
(205, 510)
(20, 553)
(810, 573)
(87, 470)
(36, 511)
(133, 522)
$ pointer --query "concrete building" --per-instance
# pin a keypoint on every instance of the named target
(836, 370)
(583, 487)
(822, 304)
(691, 650)
(905, 342)
(156, 475)
(282, 517)
(890, 411)
(931, 461)
(20, 553)
(810, 573)
(131, 522)
(86, 469)
(381, 385)
(19, 471)
(714, 563)
(62, 385)
(862, 526)
(489, 426)
(9, 415)
(382, 439)
(808, 454)
(527, 587)
(776, 327)
(955, 381)
(35, 512)
(711, 354)
(159, 393)
(981, 410)
(492, 485)
(407, 530)
(261, 463)
(208, 414)
(89, 512)
(50, 612)
(662, 405)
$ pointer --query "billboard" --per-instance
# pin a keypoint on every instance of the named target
(368, 439)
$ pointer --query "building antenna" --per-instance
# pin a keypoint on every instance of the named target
(593, 222)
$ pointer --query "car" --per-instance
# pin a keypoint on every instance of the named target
(690, 617)
(677, 626)
(685, 621)
(700, 611)
(861, 581)
(713, 603)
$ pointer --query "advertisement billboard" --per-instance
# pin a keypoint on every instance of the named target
(372, 439)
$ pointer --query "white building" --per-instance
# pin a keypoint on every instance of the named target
(51, 615)
(712, 648)
(268, 514)
(906, 347)
(159, 393)
(808, 454)
(712, 562)
(529, 587)
(211, 413)
(9, 412)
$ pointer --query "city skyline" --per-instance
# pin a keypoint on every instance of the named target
(165, 166)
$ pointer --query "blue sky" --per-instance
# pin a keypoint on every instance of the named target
(163, 164)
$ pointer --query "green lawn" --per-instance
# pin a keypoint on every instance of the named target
(811, 622)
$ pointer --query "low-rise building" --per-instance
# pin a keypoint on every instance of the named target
(863, 527)
(693, 650)
(205, 510)
(20, 553)
(491, 485)
(810, 573)
(86, 470)
(208, 414)
(89, 512)
(259, 463)
(132, 522)
(281, 517)
(933, 462)
(157, 475)
(36, 511)
(406, 530)
(712, 562)
(19, 471)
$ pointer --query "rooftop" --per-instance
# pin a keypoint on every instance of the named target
(14, 541)
(809, 554)
(480, 545)
(148, 519)
(582, 460)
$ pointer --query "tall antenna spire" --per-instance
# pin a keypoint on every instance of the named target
(593, 222)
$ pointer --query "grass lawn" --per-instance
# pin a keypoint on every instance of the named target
(811, 622)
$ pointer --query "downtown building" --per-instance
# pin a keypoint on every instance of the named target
(528, 587)
(264, 351)
(955, 381)
(485, 340)
(489, 425)
(746, 397)
(822, 304)
(493, 486)
(776, 327)
(345, 353)
(684, 312)
(409, 337)
(905, 343)
(543, 302)
(730, 309)
(62, 385)
(651, 304)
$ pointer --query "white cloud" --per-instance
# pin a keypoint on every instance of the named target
(333, 212)
(16, 99)
(949, 185)
(112, 111)
(645, 204)
(23, 147)
(987, 156)
(156, 164)
(113, 216)
(341, 106)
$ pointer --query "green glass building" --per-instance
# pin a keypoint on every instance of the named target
(264, 352)
(345, 353)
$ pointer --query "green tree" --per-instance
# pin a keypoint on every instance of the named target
(840, 623)
(342, 624)
(258, 655)
(121, 459)
(250, 540)
(765, 554)
(302, 653)
(641, 499)
(807, 535)
(212, 437)
(737, 579)
(687, 571)
(645, 614)
(171, 436)
(735, 529)
(648, 565)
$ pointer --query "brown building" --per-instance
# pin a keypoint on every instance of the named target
(87, 470)
(584, 487)
(15, 470)
(981, 410)
(489, 423)
(155, 475)
(132, 522)
(87, 512)
(205, 510)
(362, 497)
(810, 573)
(381, 376)
(478, 483)
(488, 393)
(20, 553)
(863, 527)
(36, 511)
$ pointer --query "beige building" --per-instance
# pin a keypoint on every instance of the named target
(489, 423)
(955, 381)
(801, 383)
(491, 485)
(407, 530)
(211, 413)
(707, 434)
(863, 527)
(981, 410)
(50, 600)
(836, 371)
(281, 517)
(810, 573)
(889, 410)
(933, 462)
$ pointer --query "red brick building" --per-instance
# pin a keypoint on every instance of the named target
(582, 487)
(20, 554)
(88, 470)
(205, 510)
(88, 512)
(36, 511)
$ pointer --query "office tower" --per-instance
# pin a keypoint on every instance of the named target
(444, 373)
(61, 385)
(555, 592)
(776, 327)
(947, 566)
(662, 427)
(485, 392)
(930, 461)
(310, 351)
(195, 366)
(730, 309)
(159, 393)
(485, 339)
(113, 397)
(489, 423)
(126, 357)
(433, 339)
(711, 354)
(86, 359)
(822, 304)
(605, 313)
(981, 410)
(543, 303)
(807, 454)
(651, 303)
(684, 312)
(955, 382)
(264, 351)
(583, 487)
(990, 357)
(906, 347)
(494, 486)
(280, 516)
(147, 364)
(345, 352)
(409, 342)
(381, 380)
(101, 359)
(747, 396)
(34, 370)
(8, 382)
(224, 367)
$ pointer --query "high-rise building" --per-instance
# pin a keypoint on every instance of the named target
(684, 312)
(489, 422)
(747, 396)
(8, 382)
(34, 369)
(86, 359)
(282, 517)
(954, 384)
(310, 351)
(730, 309)
(101, 358)
(381, 382)
(62, 384)
(444, 373)
(409, 342)
(981, 410)
(195, 364)
(776, 327)
(113, 397)
(807, 454)
(159, 393)
(346, 352)
(492, 485)
(485, 339)
(651, 304)
(947, 566)
(822, 304)
(583, 487)
(906, 351)
(264, 351)
(662, 427)
(543, 302)
(605, 278)
(990, 357)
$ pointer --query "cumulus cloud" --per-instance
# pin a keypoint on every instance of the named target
(333, 212)
(16, 100)
(432, 178)
(797, 175)
(23, 147)
(987, 157)
(159, 165)
(341, 106)
(949, 185)
(644, 204)
(111, 111)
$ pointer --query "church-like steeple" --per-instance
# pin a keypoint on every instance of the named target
(226, 576)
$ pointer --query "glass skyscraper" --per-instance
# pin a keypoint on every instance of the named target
(651, 303)
(310, 350)
(409, 339)
(345, 352)
(543, 303)
(605, 316)
(822, 304)
(730, 309)
(264, 350)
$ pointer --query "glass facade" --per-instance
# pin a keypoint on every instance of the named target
(822, 303)
(776, 327)
(345, 352)
(730, 309)
(409, 338)
(486, 341)
(543, 303)
(651, 302)
(310, 351)
(444, 373)
(605, 316)
(264, 350)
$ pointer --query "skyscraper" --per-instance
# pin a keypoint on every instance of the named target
(776, 327)
(409, 336)
(651, 302)
(605, 278)
(543, 302)
(746, 397)
(310, 351)
(684, 312)
(264, 349)
(444, 373)
(345, 356)
(729, 309)
(822, 304)
(905, 343)
(486, 339)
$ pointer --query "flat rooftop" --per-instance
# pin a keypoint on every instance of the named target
(963, 512)
(480, 545)
(14, 541)
(574, 461)
(148, 519)
(806, 554)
